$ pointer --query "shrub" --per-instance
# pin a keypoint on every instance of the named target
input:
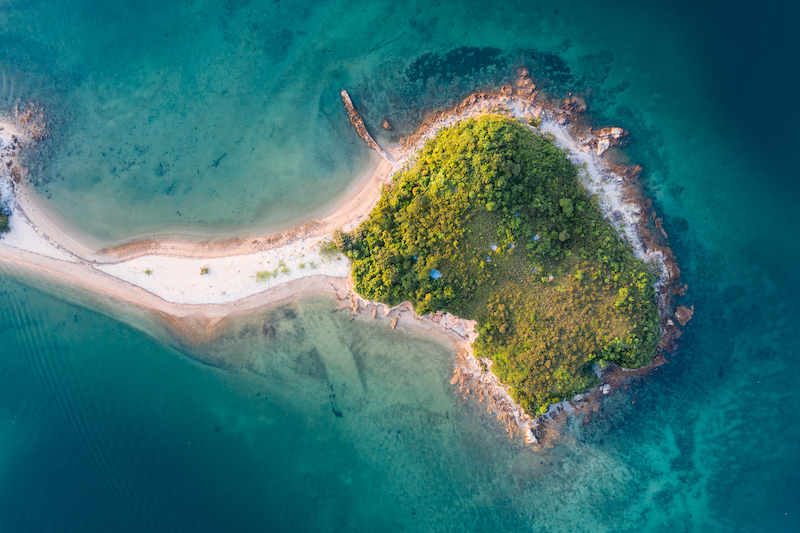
(329, 251)
(343, 241)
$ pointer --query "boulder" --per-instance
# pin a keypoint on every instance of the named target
(684, 314)
(602, 146)
(605, 138)
(386, 124)
(612, 132)
(524, 82)
(574, 104)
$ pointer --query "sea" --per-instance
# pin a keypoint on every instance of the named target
(198, 119)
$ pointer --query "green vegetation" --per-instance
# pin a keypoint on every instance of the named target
(4, 228)
(265, 275)
(203, 271)
(329, 251)
(500, 213)
(148, 271)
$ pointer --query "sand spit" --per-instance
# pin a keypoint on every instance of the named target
(196, 286)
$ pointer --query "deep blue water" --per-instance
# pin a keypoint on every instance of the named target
(106, 423)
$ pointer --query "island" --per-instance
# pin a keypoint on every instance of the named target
(501, 225)
(491, 223)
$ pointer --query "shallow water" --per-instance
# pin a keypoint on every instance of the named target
(96, 416)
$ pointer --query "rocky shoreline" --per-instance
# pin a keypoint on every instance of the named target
(622, 202)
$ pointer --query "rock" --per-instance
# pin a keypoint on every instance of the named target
(524, 82)
(602, 146)
(394, 322)
(521, 71)
(614, 132)
(605, 138)
(506, 89)
(574, 104)
(386, 124)
(628, 171)
(684, 314)
(606, 388)
(526, 92)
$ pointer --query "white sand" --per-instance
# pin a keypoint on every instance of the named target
(25, 236)
(178, 279)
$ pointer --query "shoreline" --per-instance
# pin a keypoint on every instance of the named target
(165, 276)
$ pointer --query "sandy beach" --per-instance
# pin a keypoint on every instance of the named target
(203, 280)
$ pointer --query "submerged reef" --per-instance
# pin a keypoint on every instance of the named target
(491, 223)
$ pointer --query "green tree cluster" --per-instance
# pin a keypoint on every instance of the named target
(498, 210)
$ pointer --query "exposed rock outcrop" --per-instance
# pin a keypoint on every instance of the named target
(684, 314)
(573, 104)
(605, 138)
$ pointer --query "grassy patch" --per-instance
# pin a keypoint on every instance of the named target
(521, 247)
(265, 275)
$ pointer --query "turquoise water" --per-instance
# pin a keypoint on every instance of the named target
(97, 409)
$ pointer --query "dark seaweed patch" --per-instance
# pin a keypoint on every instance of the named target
(459, 62)
(549, 68)
(334, 406)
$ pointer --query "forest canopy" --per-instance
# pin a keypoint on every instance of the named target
(491, 223)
